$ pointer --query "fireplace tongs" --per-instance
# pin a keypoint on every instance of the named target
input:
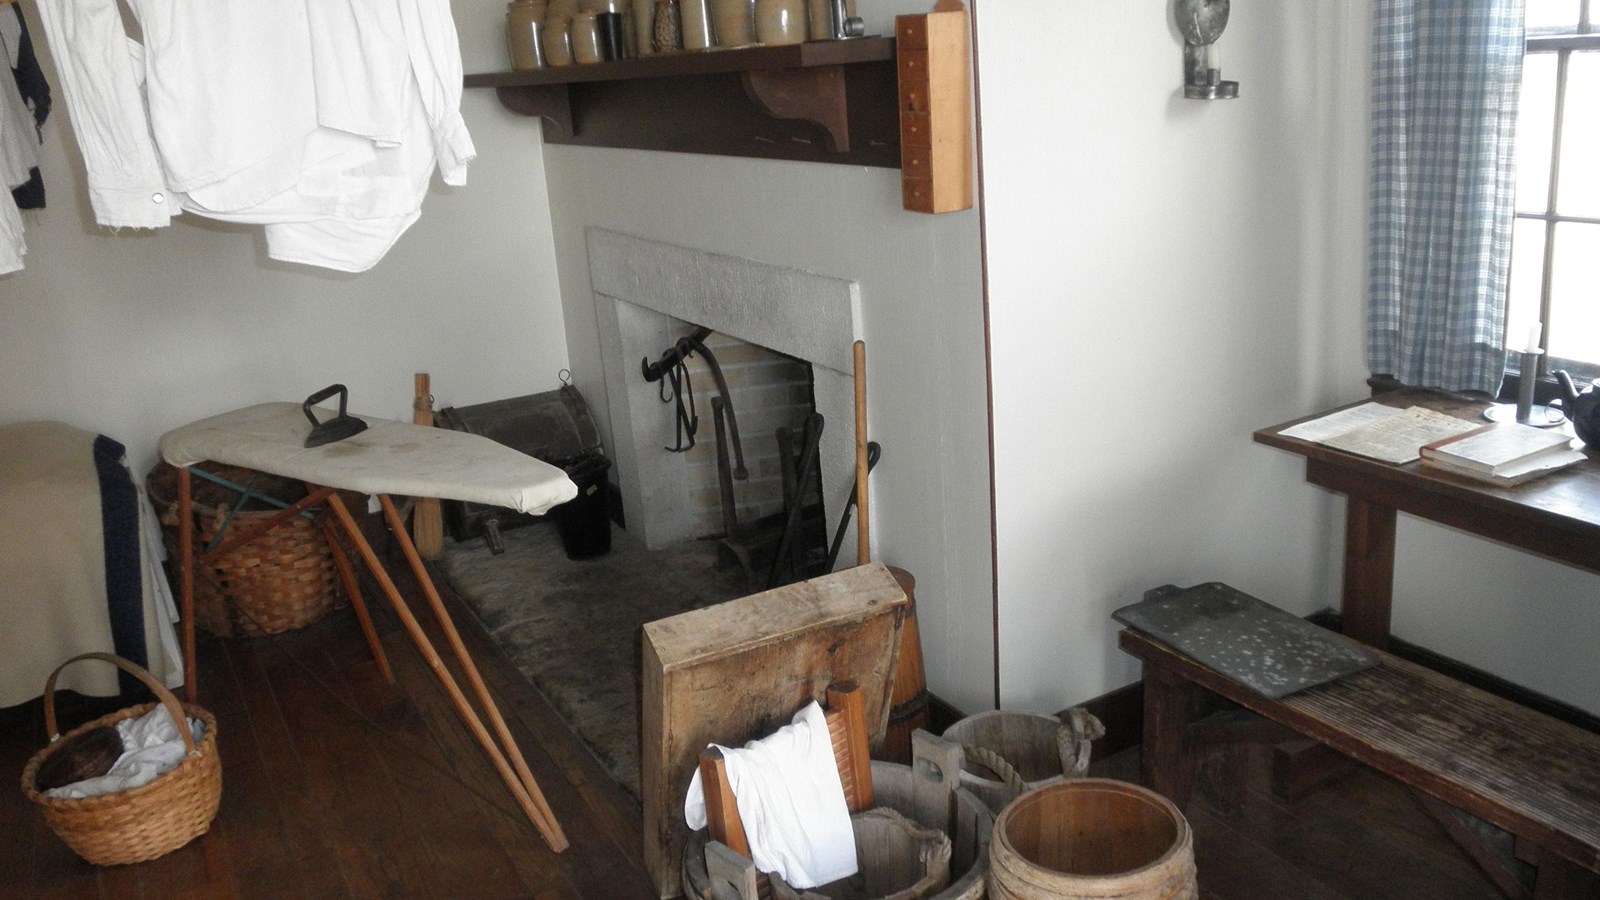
(671, 372)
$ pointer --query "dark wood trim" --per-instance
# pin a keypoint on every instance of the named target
(941, 714)
(821, 101)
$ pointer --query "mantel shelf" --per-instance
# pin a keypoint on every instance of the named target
(823, 101)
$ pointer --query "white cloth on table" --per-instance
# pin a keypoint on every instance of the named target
(388, 458)
(321, 119)
(151, 747)
(787, 789)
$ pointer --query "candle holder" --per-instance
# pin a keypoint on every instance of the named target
(1201, 22)
(1525, 411)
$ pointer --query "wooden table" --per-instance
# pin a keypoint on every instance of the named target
(1556, 516)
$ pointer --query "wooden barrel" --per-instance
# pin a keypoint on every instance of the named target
(1092, 839)
(894, 786)
(908, 703)
(1026, 740)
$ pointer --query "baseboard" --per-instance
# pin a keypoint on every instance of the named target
(619, 516)
(941, 715)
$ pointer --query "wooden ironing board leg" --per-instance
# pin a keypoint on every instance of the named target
(352, 589)
(402, 537)
(536, 813)
(186, 580)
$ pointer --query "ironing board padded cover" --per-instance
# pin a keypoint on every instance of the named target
(388, 458)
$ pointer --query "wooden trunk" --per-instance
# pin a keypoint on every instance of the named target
(736, 671)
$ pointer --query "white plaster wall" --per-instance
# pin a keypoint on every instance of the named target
(922, 312)
(1165, 277)
(132, 334)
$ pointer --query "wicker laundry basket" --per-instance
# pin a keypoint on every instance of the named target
(144, 822)
(282, 580)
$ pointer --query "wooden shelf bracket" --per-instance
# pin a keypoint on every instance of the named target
(815, 95)
(550, 102)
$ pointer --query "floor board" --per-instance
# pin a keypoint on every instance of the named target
(339, 785)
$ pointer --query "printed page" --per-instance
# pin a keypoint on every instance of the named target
(1338, 423)
(1397, 439)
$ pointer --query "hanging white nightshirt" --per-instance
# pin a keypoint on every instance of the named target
(322, 119)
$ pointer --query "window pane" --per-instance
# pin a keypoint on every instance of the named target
(1575, 293)
(1536, 125)
(1527, 279)
(1546, 16)
(1580, 139)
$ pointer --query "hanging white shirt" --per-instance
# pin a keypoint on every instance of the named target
(315, 117)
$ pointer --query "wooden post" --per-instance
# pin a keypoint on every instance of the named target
(427, 522)
(863, 546)
(186, 580)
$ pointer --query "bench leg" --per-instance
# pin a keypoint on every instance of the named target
(1488, 847)
(1171, 703)
(1558, 879)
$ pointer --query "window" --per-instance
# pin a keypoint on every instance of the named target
(1555, 259)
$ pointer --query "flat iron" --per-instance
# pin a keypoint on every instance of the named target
(337, 428)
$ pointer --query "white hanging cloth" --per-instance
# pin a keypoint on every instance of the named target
(321, 119)
(787, 788)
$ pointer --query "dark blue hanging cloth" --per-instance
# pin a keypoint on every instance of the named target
(36, 92)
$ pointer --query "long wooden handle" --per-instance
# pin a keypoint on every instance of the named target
(422, 406)
(427, 520)
(863, 550)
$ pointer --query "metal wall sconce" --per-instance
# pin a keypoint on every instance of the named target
(1201, 22)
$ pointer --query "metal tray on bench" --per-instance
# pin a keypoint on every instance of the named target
(1257, 644)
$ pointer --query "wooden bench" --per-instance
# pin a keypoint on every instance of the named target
(1460, 750)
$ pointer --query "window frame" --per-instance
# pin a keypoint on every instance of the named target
(1585, 39)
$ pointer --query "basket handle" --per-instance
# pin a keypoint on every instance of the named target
(137, 671)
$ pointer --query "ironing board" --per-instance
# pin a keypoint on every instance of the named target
(388, 458)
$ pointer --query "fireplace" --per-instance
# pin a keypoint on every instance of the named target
(645, 292)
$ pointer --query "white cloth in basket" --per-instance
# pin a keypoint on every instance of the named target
(151, 747)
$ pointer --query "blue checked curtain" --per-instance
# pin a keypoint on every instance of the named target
(1445, 80)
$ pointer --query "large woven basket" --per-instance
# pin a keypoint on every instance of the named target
(144, 822)
(282, 580)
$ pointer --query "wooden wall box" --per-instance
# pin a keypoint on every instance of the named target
(933, 51)
(741, 669)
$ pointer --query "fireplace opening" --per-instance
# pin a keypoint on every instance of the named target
(744, 419)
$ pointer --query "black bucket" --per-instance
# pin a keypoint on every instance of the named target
(585, 521)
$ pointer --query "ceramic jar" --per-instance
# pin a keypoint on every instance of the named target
(820, 25)
(695, 24)
(586, 39)
(560, 10)
(781, 21)
(642, 16)
(525, 32)
(733, 22)
(557, 42)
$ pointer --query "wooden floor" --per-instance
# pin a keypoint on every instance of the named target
(338, 785)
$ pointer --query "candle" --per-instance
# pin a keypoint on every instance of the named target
(1533, 338)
